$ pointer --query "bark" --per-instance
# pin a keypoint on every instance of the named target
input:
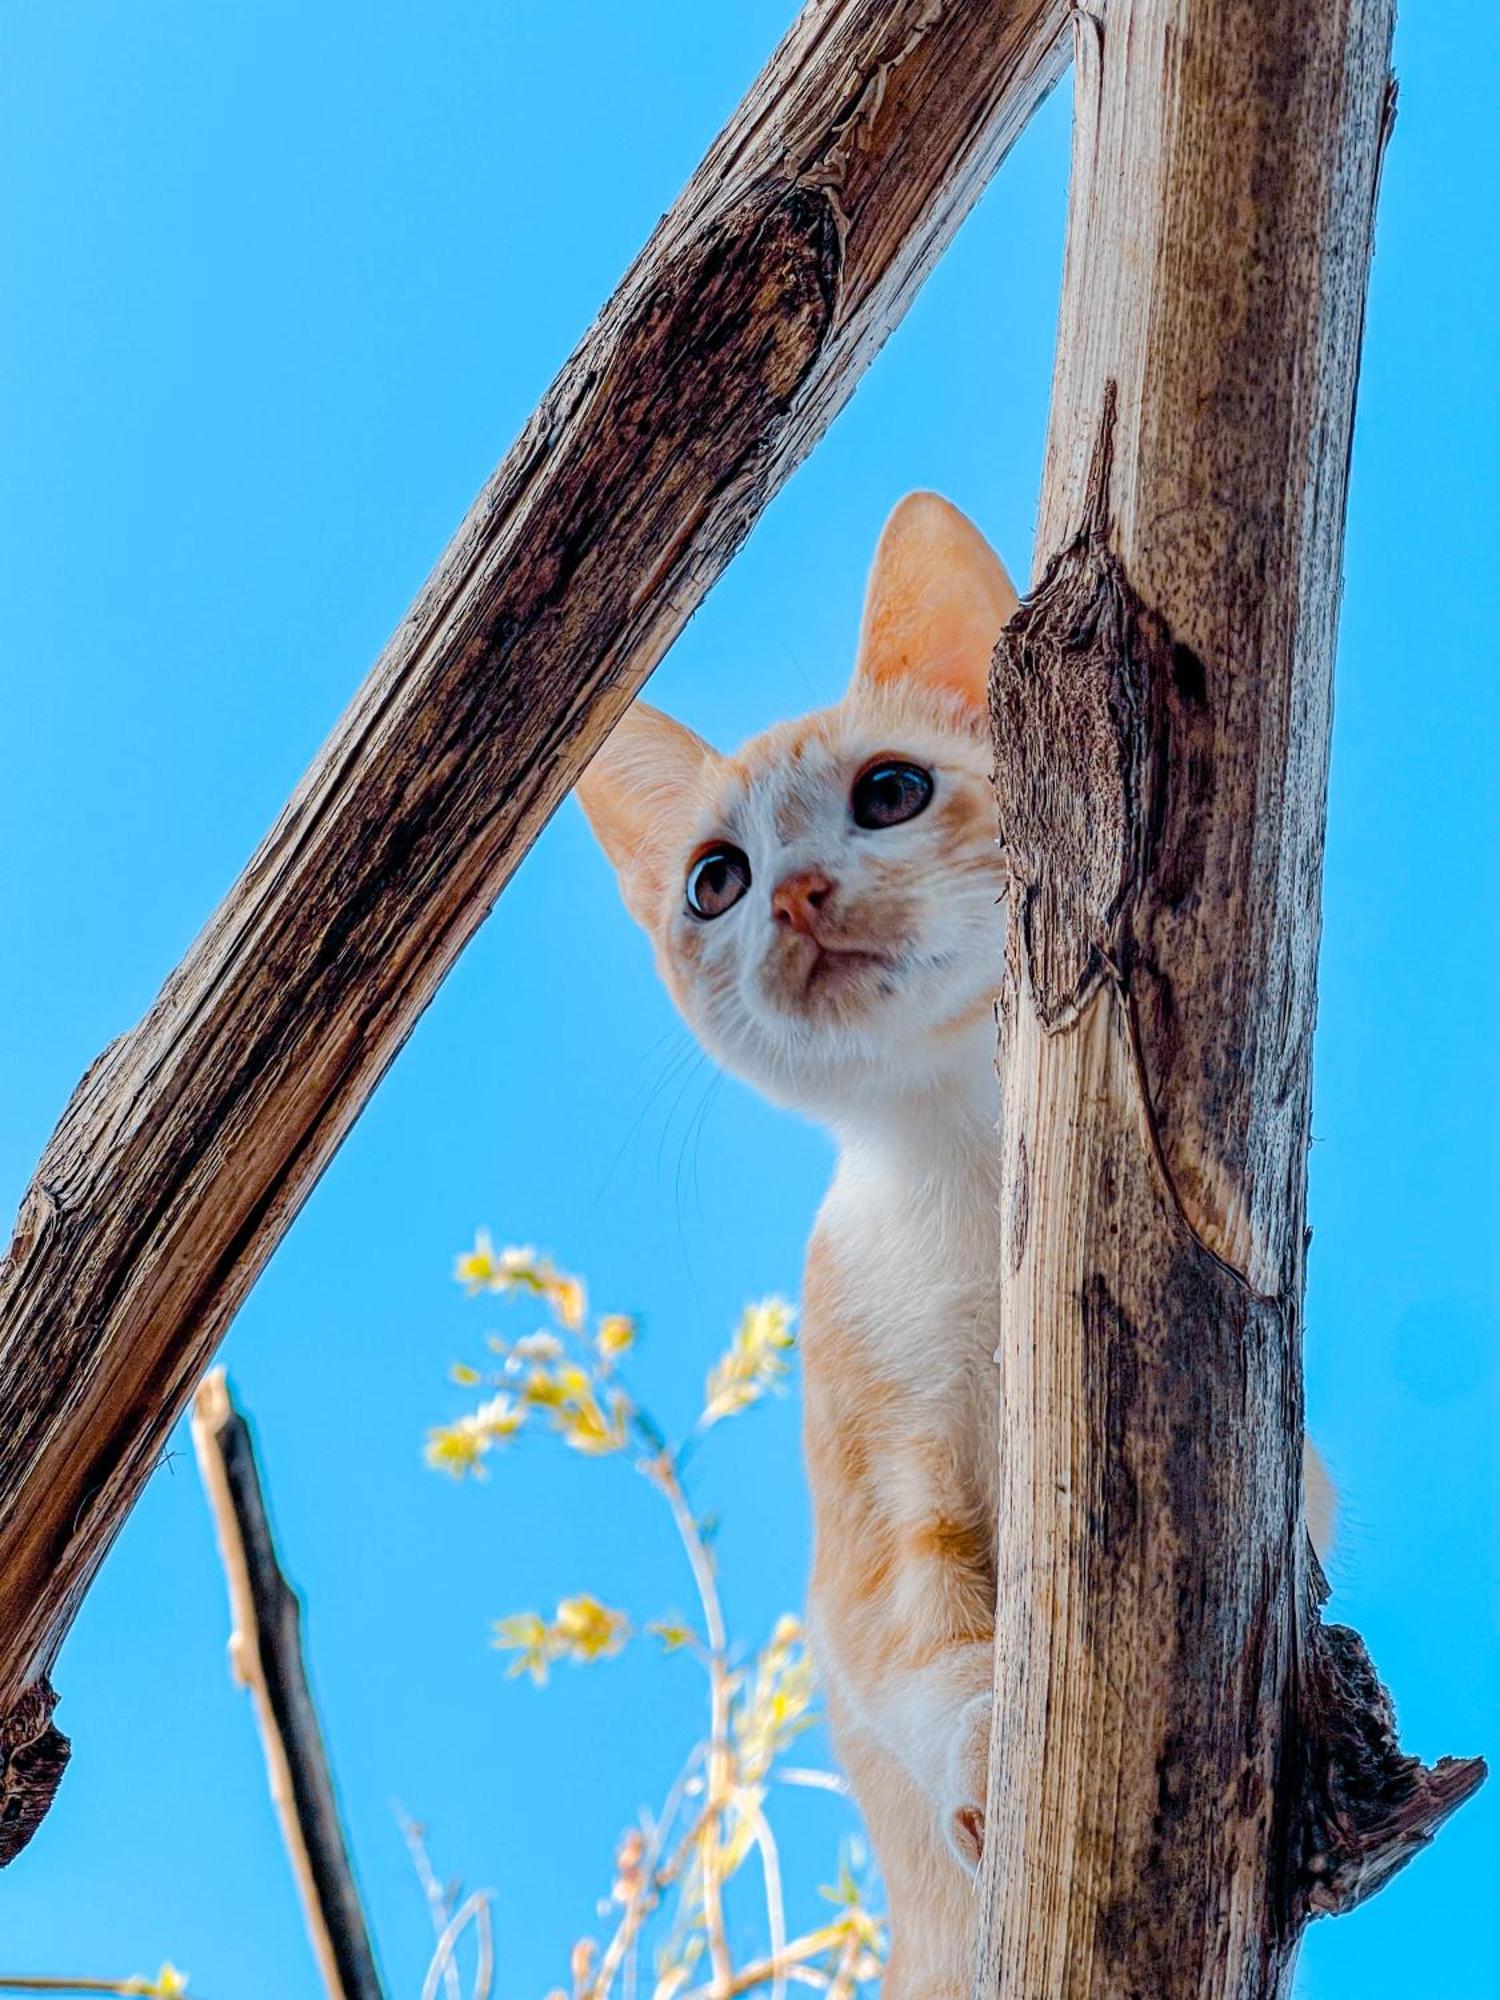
(1185, 1764)
(191, 1143)
(265, 1650)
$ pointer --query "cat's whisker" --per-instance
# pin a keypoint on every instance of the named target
(693, 1137)
(689, 1076)
(682, 1055)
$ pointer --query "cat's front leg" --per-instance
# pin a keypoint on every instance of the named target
(968, 1783)
(935, 1718)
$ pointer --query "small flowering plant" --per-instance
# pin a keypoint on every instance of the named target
(671, 1870)
(169, 1984)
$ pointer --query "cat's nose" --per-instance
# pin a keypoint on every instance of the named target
(796, 900)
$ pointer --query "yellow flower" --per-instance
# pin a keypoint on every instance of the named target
(457, 1448)
(582, 1421)
(476, 1269)
(567, 1297)
(778, 1704)
(584, 1629)
(538, 1347)
(615, 1335)
(463, 1375)
(542, 1389)
(484, 1269)
(169, 1984)
(673, 1634)
(500, 1417)
(528, 1636)
(753, 1361)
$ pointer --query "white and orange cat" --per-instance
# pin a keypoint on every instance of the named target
(827, 911)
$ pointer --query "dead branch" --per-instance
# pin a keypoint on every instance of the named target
(265, 1650)
(191, 1143)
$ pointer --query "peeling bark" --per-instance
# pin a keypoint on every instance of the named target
(34, 1754)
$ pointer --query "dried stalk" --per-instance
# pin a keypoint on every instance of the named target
(265, 1652)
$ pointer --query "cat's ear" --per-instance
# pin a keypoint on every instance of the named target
(938, 597)
(637, 793)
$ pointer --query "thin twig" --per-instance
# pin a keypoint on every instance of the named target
(770, 1861)
(671, 1806)
(699, 1561)
(641, 1901)
(474, 1911)
(266, 1654)
(761, 1971)
(843, 1982)
(134, 1988)
(816, 1781)
(432, 1889)
(675, 1862)
(38, 1982)
(484, 1953)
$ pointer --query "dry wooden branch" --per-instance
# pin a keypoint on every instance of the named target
(1185, 1764)
(265, 1649)
(191, 1143)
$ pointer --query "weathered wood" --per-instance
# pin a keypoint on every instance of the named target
(191, 1143)
(265, 1651)
(1185, 1765)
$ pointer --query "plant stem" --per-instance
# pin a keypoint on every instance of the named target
(762, 1971)
(770, 1861)
(665, 1475)
(21, 1982)
(432, 1889)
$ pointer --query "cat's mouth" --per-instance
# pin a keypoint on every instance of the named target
(833, 967)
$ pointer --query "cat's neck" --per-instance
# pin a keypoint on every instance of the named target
(940, 1129)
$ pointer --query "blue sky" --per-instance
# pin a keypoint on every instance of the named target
(280, 286)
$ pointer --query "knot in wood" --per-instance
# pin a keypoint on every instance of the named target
(1076, 718)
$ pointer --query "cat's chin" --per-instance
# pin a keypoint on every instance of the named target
(842, 986)
(835, 968)
(832, 1063)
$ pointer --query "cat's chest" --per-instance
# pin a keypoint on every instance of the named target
(914, 1271)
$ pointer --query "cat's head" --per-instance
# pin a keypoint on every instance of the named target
(826, 904)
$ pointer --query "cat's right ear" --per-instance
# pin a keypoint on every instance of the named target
(640, 795)
(937, 601)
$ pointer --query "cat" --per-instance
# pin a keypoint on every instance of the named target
(827, 911)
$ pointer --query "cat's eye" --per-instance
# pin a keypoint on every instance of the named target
(888, 792)
(717, 880)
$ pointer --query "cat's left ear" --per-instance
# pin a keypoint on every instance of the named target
(639, 791)
(937, 601)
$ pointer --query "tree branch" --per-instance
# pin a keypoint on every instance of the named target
(732, 342)
(1185, 1764)
(265, 1649)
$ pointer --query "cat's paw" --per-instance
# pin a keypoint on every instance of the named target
(966, 1836)
(968, 1784)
